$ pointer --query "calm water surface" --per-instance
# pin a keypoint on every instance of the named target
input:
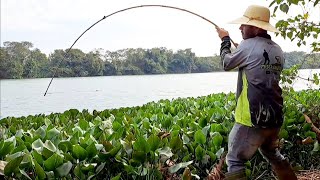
(25, 97)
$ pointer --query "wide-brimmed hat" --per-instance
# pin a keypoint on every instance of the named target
(257, 16)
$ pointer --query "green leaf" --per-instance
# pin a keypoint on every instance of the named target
(5, 148)
(141, 145)
(185, 139)
(154, 142)
(37, 157)
(77, 171)
(83, 124)
(64, 169)
(289, 34)
(39, 171)
(312, 134)
(217, 139)
(52, 133)
(48, 149)
(176, 167)
(47, 122)
(25, 174)
(283, 134)
(199, 137)
(78, 152)
(220, 152)
(176, 143)
(65, 146)
(316, 147)
(166, 151)
(100, 168)
(41, 131)
(92, 150)
(284, 7)
(37, 145)
(139, 156)
(200, 153)
(13, 165)
(117, 177)
(53, 162)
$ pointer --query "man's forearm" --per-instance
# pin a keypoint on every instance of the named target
(225, 47)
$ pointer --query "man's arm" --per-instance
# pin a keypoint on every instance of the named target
(230, 60)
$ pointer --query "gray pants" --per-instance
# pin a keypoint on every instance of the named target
(244, 141)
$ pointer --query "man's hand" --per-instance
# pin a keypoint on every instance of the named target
(221, 32)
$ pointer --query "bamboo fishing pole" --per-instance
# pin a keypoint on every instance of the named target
(122, 10)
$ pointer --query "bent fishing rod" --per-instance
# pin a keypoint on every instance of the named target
(122, 10)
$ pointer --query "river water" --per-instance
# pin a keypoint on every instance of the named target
(26, 96)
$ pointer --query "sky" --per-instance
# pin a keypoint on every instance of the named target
(53, 24)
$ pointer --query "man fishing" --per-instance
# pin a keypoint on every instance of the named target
(258, 113)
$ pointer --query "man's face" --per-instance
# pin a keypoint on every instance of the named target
(248, 31)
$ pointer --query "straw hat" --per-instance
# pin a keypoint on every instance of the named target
(257, 16)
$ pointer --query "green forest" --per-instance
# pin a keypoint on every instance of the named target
(22, 60)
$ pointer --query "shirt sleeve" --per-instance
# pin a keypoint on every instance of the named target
(231, 60)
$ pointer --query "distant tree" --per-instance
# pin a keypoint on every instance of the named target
(182, 62)
(93, 64)
(292, 58)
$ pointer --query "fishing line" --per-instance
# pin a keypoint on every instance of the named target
(122, 10)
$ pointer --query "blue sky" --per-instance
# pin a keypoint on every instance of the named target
(53, 24)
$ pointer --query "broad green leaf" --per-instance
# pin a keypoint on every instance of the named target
(65, 146)
(14, 156)
(25, 174)
(185, 139)
(154, 142)
(64, 169)
(41, 131)
(39, 171)
(52, 133)
(37, 145)
(48, 149)
(141, 145)
(312, 134)
(220, 152)
(53, 162)
(13, 165)
(115, 150)
(284, 7)
(37, 157)
(176, 143)
(5, 148)
(213, 156)
(19, 148)
(79, 152)
(283, 134)
(217, 139)
(199, 152)
(88, 167)
(83, 124)
(199, 137)
(100, 167)
(127, 146)
(139, 156)
(92, 150)
(47, 122)
(77, 171)
(203, 122)
(166, 151)
(176, 167)
(117, 177)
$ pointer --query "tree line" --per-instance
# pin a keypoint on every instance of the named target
(21, 60)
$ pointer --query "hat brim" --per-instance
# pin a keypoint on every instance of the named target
(260, 24)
